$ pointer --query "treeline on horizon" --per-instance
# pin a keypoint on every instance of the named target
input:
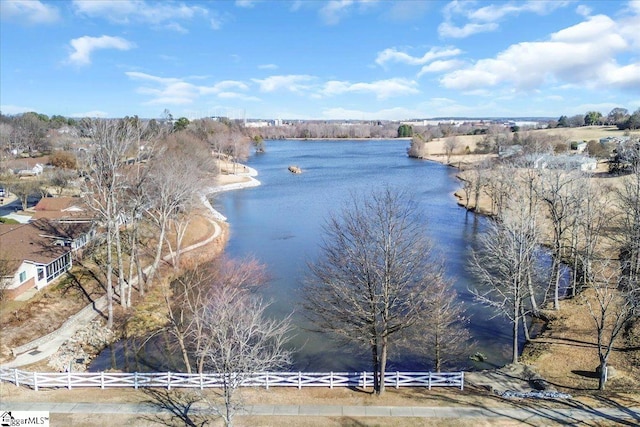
(33, 132)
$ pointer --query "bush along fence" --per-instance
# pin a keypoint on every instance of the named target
(169, 380)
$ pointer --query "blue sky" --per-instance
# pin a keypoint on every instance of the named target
(313, 59)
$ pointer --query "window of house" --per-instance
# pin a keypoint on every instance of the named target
(23, 276)
(40, 274)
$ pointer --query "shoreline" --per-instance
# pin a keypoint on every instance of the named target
(247, 180)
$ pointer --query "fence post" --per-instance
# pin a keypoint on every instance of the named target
(397, 380)
(69, 379)
(15, 375)
(168, 380)
(201, 382)
(135, 380)
(299, 380)
(266, 378)
(331, 380)
(35, 381)
(364, 379)
(102, 380)
(429, 380)
(462, 380)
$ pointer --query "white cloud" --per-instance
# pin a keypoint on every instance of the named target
(335, 10)
(440, 66)
(218, 20)
(587, 31)
(174, 26)
(84, 46)
(293, 83)
(446, 29)
(494, 13)
(91, 114)
(486, 18)
(603, 107)
(239, 96)
(395, 113)
(15, 109)
(268, 67)
(32, 11)
(554, 98)
(393, 55)
(245, 3)
(216, 23)
(139, 11)
(402, 11)
(178, 91)
(382, 89)
(583, 10)
(584, 54)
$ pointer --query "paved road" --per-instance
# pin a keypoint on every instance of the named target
(624, 416)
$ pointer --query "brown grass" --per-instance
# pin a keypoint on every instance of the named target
(566, 354)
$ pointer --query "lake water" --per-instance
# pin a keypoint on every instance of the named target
(279, 223)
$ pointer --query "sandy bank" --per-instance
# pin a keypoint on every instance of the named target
(228, 182)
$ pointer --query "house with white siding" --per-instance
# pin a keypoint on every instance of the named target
(33, 258)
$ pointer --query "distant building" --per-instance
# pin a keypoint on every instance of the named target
(563, 161)
(34, 171)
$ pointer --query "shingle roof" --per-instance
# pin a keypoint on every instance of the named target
(63, 208)
(59, 203)
(20, 242)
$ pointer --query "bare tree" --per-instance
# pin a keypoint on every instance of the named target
(60, 179)
(175, 181)
(103, 189)
(592, 217)
(25, 188)
(504, 265)
(133, 205)
(442, 334)
(611, 305)
(189, 294)
(525, 200)
(557, 190)
(373, 274)
(451, 144)
(478, 178)
(417, 148)
(242, 341)
(499, 186)
(628, 201)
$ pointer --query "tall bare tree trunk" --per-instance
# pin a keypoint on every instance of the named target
(158, 255)
(122, 285)
(383, 363)
(109, 268)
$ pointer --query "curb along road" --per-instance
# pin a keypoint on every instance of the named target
(561, 415)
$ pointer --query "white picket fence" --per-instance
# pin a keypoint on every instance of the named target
(169, 380)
